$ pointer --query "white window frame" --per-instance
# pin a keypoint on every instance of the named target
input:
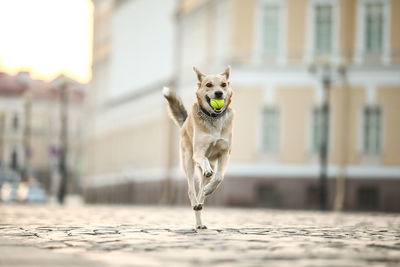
(320, 109)
(222, 32)
(310, 48)
(363, 121)
(322, 43)
(314, 154)
(259, 26)
(359, 55)
(262, 128)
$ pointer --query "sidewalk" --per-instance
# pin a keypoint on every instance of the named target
(35, 235)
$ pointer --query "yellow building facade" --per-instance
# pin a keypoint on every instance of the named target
(271, 46)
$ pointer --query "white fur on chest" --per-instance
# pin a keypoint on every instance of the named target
(216, 138)
(216, 127)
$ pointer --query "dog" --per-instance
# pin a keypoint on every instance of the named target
(206, 136)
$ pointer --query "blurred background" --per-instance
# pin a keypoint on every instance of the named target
(316, 94)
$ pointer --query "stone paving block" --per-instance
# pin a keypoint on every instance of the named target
(154, 236)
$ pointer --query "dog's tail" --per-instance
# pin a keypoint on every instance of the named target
(176, 109)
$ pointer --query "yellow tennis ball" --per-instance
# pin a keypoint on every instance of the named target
(217, 103)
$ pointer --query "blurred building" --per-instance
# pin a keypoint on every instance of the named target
(133, 57)
(271, 46)
(30, 127)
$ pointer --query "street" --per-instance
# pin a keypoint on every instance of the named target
(45, 235)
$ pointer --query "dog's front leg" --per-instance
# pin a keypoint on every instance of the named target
(219, 175)
(201, 160)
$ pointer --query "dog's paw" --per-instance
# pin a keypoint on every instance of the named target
(201, 227)
(208, 173)
(212, 185)
(198, 207)
(207, 191)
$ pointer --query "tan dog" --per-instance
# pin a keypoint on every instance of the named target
(206, 136)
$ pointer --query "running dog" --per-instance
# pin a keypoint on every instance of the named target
(206, 136)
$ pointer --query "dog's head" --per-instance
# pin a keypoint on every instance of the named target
(213, 86)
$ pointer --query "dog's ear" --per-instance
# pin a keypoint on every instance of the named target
(199, 74)
(227, 72)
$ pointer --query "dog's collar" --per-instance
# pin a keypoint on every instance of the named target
(205, 115)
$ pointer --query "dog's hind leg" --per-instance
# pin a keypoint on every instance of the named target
(188, 167)
(197, 208)
(199, 225)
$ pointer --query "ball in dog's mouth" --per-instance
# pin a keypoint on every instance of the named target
(216, 104)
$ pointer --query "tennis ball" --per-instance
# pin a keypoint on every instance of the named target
(217, 103)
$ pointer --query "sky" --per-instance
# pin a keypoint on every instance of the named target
(46, 38)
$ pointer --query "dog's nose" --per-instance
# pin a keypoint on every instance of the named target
(218, 94)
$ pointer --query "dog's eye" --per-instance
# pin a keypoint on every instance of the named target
(223, 84)
(209, 84)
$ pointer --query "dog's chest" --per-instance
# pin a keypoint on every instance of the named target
(218, 140)
(216, 135)
(216, 127)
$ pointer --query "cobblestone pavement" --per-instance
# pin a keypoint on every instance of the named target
(35, 235)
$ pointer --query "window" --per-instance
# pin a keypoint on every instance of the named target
(271, 29)
(373, 27)
(323, 25)
(319, 127)
(270, 32)
(15, 122)
(372, 130)
(373, 32)
(323, 29)
(270, 130)
(14, 159)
